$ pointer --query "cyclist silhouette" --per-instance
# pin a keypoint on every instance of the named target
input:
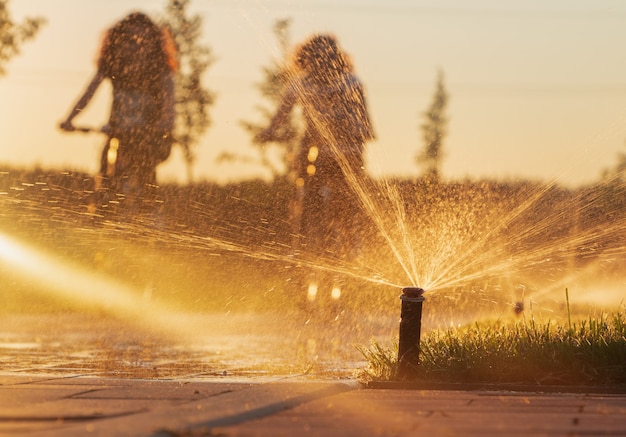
(337, 128)
(139, 59)
(330, 154)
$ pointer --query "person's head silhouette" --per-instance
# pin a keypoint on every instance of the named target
(134, 47)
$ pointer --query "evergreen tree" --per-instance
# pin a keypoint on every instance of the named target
(618, 172)
(192, 97)
(433, 132)
(620, 167)
(276, 77)
(13, 35)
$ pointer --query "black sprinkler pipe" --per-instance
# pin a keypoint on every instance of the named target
(410, 331)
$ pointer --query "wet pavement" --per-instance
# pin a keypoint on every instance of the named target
(75, 376)
(233, 345)
(50, 405)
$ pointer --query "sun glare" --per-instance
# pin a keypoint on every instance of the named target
(78, 285)
(11, 252)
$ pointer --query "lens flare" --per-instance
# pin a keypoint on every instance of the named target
(77, 285)
(114, 144)
(311, 292)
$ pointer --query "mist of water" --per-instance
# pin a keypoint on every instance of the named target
(463, 243)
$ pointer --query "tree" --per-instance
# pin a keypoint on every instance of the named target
(433, 132)
(276, 77)
(617, 173)
(192, 97)
(13, 35)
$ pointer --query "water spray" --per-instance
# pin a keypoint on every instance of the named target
(410, 331)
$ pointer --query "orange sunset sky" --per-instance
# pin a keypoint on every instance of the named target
(537, 88)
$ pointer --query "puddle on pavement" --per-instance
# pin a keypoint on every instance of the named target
(228, 346)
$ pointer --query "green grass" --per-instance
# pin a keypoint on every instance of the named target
(590, 351)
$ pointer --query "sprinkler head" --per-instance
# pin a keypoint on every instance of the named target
(410, 329)
(412, 294)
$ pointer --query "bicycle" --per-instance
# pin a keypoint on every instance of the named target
(119, 186)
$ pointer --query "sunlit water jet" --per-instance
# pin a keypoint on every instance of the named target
(373, 206)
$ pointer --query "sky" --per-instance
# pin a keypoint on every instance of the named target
(537, 88)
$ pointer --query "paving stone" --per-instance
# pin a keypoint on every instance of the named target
(224, 409)
(79, 406)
